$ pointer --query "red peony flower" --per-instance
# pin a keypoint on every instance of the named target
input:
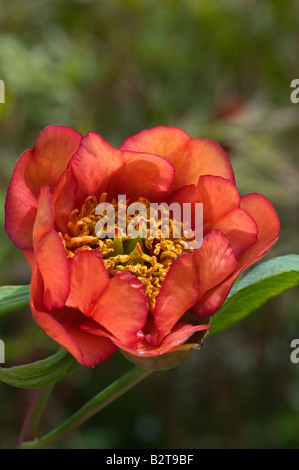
(151, 298)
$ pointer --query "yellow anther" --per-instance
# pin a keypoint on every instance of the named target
(150, 259)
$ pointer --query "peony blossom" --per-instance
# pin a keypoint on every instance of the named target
(151, 298)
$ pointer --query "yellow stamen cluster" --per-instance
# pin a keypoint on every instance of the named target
(151, 258)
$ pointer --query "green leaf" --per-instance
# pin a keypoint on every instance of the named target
(13, 298)
(41, 373)
(267, 280)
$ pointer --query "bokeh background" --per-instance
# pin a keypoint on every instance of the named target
(220, 70)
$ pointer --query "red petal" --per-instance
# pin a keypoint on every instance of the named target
(179, 335)
(88, 174)
(64, 327)
(122, 308)
(190, 157)
(215, 260)
(88, 349)
(45, 216)
(42, 166)
(144, 175)
(20, 206)
(49, 254)
(29, 255)
(53, 265)
(266, 218)
(89, 279)
(239, 228)
(178, 293)
(52, 151)
(261, 209)
(215, 263)
(93, 165)
(190, 277)
(64, 199)
(221, 210)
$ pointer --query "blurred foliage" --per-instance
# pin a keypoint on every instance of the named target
(219, 70)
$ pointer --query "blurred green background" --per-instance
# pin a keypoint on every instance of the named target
(220, 70)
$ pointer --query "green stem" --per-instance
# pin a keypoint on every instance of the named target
(97, 403)
(34, 414)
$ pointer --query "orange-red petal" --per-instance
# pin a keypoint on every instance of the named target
(45, 216)
(64, 199)
(42, 166)
(88, 174)
(122, 308)
(261, 209)
(89, 279)
(93, 165)
(179, 335)
(190, 277)
(50, 156)
(64, 326)
(221, 210)
(117, 304)
(53, 265)
(144, 175)
(189, 157)
(50, 254)
(266, 218)
(20, 206)
(178, 293)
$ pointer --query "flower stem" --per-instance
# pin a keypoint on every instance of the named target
(34, 414)
(97, 403)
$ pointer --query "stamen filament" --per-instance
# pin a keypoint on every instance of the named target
(149, 259)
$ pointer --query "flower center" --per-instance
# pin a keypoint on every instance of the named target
(149, 258)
